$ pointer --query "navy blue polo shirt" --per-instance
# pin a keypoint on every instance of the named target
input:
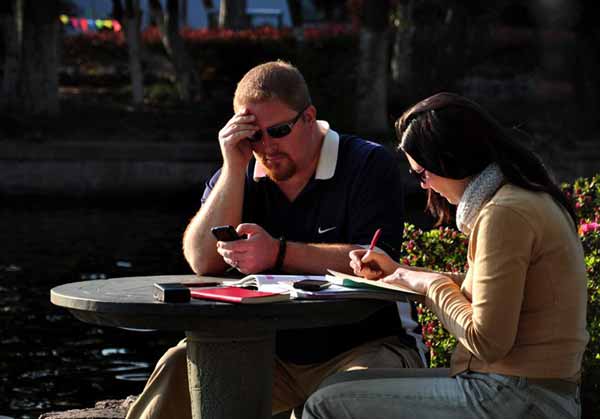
(355, 190)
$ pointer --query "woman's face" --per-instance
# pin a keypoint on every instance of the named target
(451, 189)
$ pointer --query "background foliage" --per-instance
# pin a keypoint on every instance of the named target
(445, 249)
(222, 57)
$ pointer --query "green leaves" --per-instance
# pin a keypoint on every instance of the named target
(585, 195)
(442, 249)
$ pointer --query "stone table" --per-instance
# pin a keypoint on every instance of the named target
(230, 346)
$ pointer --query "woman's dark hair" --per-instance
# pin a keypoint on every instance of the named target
(453, 137)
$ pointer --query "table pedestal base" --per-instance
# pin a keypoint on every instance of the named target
(231, 375)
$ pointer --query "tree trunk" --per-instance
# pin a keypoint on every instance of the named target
(133, 37)
(183, 14)
(117, 10)
(211, 16)
(439, 47)
(39, 82)
(400, 63)
(587, 65)
(11, 20)
(371, 108)
(295, 7)
(232, 14)
(188, 81)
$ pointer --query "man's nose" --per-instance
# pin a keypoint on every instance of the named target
(267, 141)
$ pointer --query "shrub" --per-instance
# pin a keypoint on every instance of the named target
(444, 249)
(161, 93)
(585, 194)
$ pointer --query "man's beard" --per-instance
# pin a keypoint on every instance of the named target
(281, 170)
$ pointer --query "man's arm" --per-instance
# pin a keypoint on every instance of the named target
(317, 258)
(259, 253)
(224, 204)
(223, 207)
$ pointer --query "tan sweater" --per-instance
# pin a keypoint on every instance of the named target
(521, 309)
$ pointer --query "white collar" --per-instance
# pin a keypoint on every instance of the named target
(327, 158)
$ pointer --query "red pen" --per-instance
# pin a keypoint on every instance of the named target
(375, 239)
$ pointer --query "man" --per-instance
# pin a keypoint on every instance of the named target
(304, 196)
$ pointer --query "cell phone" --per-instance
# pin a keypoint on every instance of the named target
(226, 233)
(312, 284)
(171, 292)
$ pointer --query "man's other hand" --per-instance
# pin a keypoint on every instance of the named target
(256, 253)
(235, 147)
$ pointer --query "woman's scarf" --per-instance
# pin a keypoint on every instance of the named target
(481, 188)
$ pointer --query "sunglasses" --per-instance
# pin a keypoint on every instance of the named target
(420, 176)
(277, 131)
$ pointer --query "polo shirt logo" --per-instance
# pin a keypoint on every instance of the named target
(325, 230)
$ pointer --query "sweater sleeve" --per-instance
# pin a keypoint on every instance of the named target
(484, 314)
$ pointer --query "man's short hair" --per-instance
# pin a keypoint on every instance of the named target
(273, 80)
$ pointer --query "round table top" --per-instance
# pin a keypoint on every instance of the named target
(128, 302)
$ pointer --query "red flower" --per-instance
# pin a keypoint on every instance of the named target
(588, 227)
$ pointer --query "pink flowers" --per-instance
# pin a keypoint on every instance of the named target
(588, 227)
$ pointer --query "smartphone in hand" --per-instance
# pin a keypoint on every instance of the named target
(226, 233)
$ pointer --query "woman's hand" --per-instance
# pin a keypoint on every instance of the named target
(417, 280)
(370, 264)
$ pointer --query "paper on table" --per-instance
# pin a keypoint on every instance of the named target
(271, 283)
(340, 292)
(358, 282)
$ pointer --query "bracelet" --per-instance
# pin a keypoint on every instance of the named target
(280, 254)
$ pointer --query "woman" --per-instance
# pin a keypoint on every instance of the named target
(519, 311)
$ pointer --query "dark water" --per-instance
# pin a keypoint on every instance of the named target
(48, 359)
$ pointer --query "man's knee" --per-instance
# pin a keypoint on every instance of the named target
(173, 361)
(382, 354)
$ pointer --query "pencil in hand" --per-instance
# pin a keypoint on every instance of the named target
(375, 239)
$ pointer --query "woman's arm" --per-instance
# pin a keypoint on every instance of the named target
(485, 318)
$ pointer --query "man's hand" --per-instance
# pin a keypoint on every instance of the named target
(236, 150)
(255, 254)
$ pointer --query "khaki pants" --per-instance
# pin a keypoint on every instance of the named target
(166, 395)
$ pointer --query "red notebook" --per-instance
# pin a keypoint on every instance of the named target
(238, 295)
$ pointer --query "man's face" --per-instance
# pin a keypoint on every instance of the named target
(282, 157)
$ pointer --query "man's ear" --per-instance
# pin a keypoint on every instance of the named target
(310, 114)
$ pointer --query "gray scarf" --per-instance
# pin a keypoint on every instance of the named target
(481, 188)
